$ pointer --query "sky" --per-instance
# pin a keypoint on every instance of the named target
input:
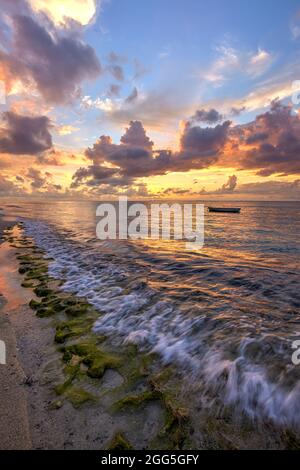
(153, 99)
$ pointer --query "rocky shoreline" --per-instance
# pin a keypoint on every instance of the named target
(69, 388)
(82, 392)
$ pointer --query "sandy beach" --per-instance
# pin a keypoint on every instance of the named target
(14, 425)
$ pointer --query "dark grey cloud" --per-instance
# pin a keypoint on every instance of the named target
(257, 137)
(199, 141)
(55, 61)
(24, 135)
(212, 116)
(237, 111)
(274, 137)
(93, 175)
(136, 136)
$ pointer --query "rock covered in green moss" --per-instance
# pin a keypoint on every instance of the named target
(119, 442)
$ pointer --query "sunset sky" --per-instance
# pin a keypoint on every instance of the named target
(152, 98)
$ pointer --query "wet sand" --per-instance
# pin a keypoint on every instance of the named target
(14, 423)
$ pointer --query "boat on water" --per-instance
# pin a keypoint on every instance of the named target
(236, 210)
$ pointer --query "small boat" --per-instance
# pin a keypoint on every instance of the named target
(235, 210)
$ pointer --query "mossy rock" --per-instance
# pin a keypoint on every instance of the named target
(23, 269)
(77, 310)
(34, 304)
(136, 400)
(73, 329)
(78, 396)
(119, 442)
(97, 360)
(42, 291)
(27, 285)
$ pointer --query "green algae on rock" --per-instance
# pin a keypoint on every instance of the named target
(119, 442)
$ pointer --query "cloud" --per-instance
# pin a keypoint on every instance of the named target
(66, 129)
(271, 144)
(133, 96)
(268, 190)
(39, 180)
(259, 63)
(60, 11)
(56, 63)
(115, 58)
(104, 104)
(197, 141)
(230, 61)
(227, 60)
(280, 189)
(230, 185)
(7, 187)
(117, 72)
(25, 135)
(295, 25)
(237, 111)
(36, 177)
(114, 90)
(211, 116)
(135, 157)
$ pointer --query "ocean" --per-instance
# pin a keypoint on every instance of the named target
(225, 316)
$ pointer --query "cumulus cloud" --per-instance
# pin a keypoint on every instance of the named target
(24, 134)
(272, 142)
(268, 145)
(55, 62)
(61, 11)
(197, 141)
(135, 156)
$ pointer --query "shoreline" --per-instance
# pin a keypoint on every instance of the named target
(32, 416)
(56, 418)
(75, 391)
